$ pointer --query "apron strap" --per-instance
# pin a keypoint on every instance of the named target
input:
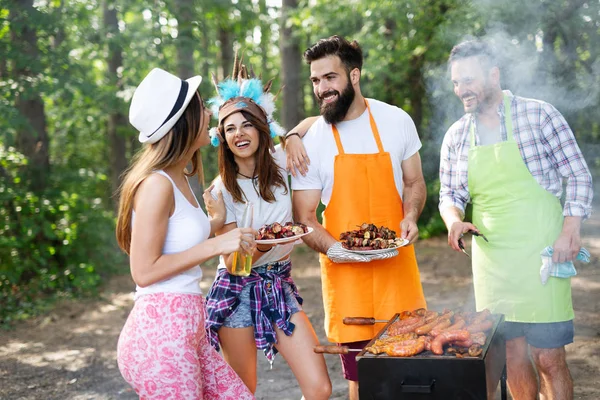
(507, 123)
(338, 141)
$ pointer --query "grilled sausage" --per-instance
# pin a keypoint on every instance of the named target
(405, 326)
(458, 324)
(407, 350)
(486, 325)
(425, 329)
(463, 343)
(358, 321)
(437, 345)
(480, 316)
(442, 324)
(431, 315)
(332, 349)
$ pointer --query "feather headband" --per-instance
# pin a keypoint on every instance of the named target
(244, 93)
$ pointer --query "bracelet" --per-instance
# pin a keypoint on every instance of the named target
(292, 134)
(262, 251)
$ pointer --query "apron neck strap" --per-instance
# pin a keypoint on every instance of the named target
(507, 123)
(374, 129)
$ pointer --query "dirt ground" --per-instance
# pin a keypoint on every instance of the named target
(70, 353)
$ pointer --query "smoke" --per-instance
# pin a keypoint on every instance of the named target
(529, 68)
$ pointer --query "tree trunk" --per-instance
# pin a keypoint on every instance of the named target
(265, 39)
(226, 51)
(205, 41)
(3, 68)
(417, 92)
(32, 136)
(388, 81)
(60, 35)
(116, 119)
(291, 63)
(185, 44)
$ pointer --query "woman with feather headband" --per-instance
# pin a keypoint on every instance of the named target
(263, 310)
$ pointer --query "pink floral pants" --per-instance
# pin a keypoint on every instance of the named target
(163, 352)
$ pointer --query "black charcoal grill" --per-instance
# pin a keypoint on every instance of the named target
(427, 376)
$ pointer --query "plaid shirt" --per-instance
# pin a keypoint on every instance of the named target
(547, 146)
(267, 303)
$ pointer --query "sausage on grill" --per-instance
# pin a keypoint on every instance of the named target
(437, 345)
(407, 350)
(442, 324)
(486, 325)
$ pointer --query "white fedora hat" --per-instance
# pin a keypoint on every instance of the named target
(158, 103)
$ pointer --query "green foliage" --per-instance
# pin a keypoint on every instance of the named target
(55, 243)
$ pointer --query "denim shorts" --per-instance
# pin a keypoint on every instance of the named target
(551, 335)
(242, 316)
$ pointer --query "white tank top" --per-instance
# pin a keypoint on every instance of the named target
(187, 227)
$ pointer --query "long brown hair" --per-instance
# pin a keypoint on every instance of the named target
(269, 174)
(169, 150)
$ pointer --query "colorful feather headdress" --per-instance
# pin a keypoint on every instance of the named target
(243, 91)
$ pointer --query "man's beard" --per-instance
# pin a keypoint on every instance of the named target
(486, 99)
(336, 112)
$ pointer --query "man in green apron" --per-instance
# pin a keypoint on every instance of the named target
(508, 156)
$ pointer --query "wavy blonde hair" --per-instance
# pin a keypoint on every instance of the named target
(169, 150)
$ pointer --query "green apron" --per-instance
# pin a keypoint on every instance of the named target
(520, 218)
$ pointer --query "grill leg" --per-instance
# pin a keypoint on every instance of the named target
(503, 384)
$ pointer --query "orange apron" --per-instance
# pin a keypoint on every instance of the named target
(364, 191)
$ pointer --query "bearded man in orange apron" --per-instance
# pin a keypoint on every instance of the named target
(508, 156)
(365, 167)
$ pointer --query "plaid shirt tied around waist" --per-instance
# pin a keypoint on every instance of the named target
(267, 303)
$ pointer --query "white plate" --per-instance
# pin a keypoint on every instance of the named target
(284, 240)
(378, 251)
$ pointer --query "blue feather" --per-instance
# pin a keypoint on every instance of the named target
(252, 89)
(229, 89)
(214, 141)
(272, 130)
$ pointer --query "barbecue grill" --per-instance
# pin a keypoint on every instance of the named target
(427, 376)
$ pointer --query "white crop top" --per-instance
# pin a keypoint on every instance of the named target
(187, 227)
(264, 213)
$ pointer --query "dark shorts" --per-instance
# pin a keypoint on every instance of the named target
(550, 335)
(349, 364)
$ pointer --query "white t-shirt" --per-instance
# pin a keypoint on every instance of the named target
(398, 136)
(264, 213)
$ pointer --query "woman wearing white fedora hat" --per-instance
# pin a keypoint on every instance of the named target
(259, 308)
(163, 351)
